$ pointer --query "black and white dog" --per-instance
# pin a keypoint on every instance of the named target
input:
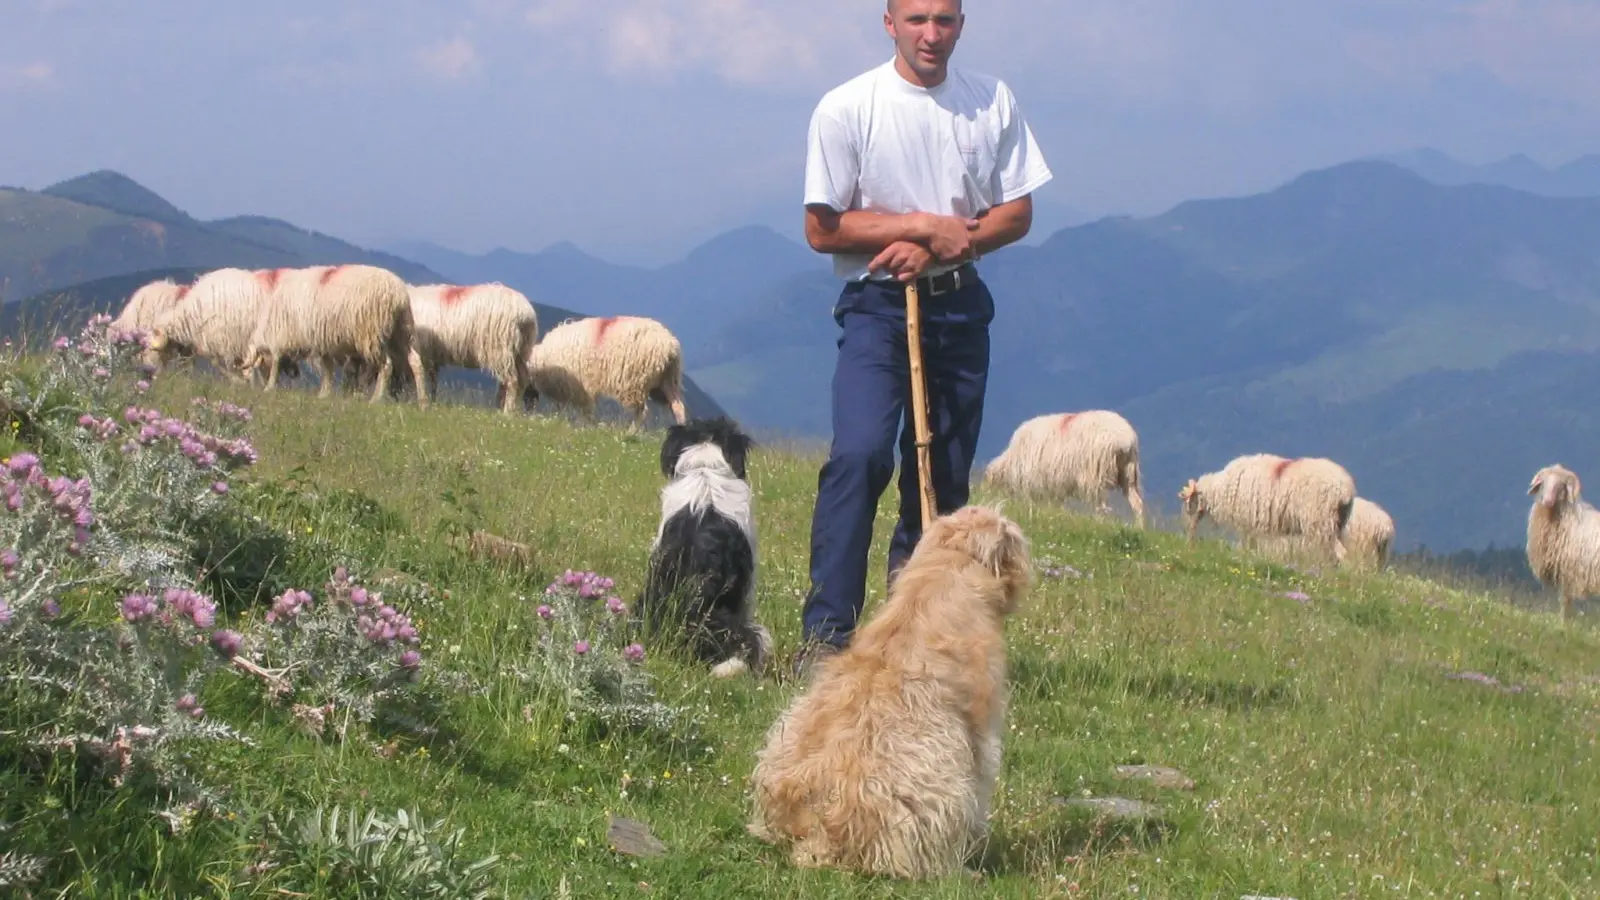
(701, 582)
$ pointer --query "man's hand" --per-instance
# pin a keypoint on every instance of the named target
(950, 238)
(903, 259)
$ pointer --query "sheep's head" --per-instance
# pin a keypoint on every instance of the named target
(1194, 506)
(160, 348)
(1554, 485)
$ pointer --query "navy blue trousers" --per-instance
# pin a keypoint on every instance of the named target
(871, 415)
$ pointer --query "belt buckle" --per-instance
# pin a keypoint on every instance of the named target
(933, 285)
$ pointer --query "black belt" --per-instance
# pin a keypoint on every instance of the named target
(944, 283)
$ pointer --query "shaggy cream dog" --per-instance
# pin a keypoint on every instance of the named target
(887, 763)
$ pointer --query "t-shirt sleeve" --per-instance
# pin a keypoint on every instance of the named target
(1019, 165)
(832, 161)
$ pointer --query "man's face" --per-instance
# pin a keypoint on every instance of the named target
(925, 32)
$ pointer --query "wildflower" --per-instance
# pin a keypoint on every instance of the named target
(410, 659)
(190, 704)
(22, 464)
(580, 648)
(227, 643)
(101, 374)
(9, 562)
(141, 385)
(288, 605)
(62, 343)
(1297, 595)
(136, 607)
(633, 653)
(5, 613)
(219, 487)
(358, 596)
(198, 608)
(50, 608)
(615, 606)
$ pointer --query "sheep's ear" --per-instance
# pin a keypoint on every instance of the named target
(1533, 487)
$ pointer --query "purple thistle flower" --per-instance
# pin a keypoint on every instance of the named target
(137, 607)
(410, 659)
(5, 613)
(615, 606)
(227, 643)
(141, 385)
(358, 596)
(198, 608)
(62, 343)
(22, 463)
(580, 648)
(545, 611)
(50, 608)
(190, 704)
(100, 373)
(633, 653)
(219, 487)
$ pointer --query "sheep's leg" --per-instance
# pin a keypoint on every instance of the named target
(380, 387)
(272, 373)
(324, 369)
(1566, 606)
(674, 395)
(1136, 501)
(414, 360)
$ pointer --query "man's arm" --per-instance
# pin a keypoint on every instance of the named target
(860, 231)
(1004, 224)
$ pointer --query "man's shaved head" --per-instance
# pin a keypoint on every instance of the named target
(925, 34)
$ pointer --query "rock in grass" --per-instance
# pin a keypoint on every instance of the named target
(633, 838)
(1115, 807)
(1160, 776)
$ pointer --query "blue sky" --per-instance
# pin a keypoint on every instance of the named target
(637, 128)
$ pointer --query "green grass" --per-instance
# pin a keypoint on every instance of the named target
(1332, 755)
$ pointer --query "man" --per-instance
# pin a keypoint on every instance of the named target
(914, 169)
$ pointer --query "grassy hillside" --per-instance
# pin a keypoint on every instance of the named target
(1346, 735)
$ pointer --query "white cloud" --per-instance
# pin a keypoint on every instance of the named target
(451, 60)
(1544, 47)
(35, 74)
(743, 42)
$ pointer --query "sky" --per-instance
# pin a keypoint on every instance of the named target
(639, 128)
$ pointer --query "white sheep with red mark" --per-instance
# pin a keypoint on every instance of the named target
(481, 326)
(328, 314)
(146, 303)
(629, 358)
(212, 321)
(1265, 495)
(1074, 455)
(1563, 536)
(1368, 536)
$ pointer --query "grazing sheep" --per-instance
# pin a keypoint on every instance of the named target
(1266, 495)
(331, 314)
(481, 326)
(1369, 533)
(1563, 536)
(213, 321)
(630, 358)
(146, 303)
(1079, 455)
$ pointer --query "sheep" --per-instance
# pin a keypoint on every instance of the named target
(144, 304)
(1072, 455)
(1563, 536)
(1262, 494)
(481, 326)
(1369, 533)
(213, 320)
(630, 358)
(333, 313)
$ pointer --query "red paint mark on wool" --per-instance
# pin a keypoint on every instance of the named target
(454, 294)
(1282, 466)
(1066, 421)
(328, 274)
(183, 291)
(601, 326)
(269, 277)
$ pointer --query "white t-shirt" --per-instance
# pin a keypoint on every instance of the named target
(880, 143)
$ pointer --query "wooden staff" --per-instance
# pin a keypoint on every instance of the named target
(919, 402)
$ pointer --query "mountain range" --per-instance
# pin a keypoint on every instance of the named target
(1440, 339)
(1577, 178)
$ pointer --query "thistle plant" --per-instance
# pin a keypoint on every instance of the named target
(584, 654)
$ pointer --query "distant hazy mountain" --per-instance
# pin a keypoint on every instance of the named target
(1439, 340)
(1578, 178)
(104, 224)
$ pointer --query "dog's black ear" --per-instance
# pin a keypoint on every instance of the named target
(736, 448)
(672, 447)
